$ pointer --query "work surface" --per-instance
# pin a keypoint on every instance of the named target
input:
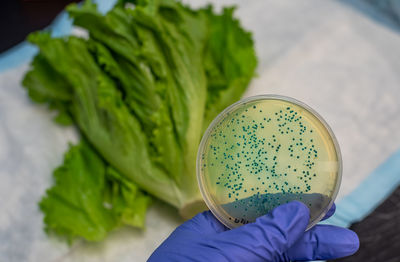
(337, 60)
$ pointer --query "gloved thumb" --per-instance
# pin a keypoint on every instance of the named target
(272, 234)
(324, 242)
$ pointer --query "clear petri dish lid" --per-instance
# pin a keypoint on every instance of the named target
(264, 151)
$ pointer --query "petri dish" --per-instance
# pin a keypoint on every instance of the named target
(264, 151)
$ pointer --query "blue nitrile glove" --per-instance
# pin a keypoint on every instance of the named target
(277, 236)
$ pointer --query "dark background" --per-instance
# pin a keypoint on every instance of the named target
(18, 18)
(379, 232)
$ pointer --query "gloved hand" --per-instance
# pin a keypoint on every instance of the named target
(277, 236)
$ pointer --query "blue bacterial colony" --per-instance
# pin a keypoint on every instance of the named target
(266, 153)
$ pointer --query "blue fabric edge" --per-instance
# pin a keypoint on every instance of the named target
(369, 194)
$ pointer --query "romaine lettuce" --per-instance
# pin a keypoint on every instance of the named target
(141, 89)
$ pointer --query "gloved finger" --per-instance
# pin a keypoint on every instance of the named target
(324, 242)
(330, 212)
(204, 223)
(271, 234)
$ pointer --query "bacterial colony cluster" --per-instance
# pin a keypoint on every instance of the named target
(263, 153)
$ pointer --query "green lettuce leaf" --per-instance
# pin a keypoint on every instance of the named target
(230, 62)
(128, 203)
(88, 199)
(47, 85)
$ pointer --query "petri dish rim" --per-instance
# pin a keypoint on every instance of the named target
(214, 207)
